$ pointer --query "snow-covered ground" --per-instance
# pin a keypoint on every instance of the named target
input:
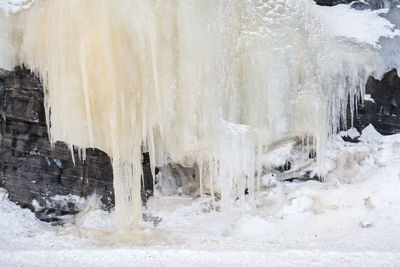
(353, 218)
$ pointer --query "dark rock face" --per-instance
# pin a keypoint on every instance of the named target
(374, 4)
(147, 182)
(332, 2)
(30, 169)
(366, 4)
(383, 110)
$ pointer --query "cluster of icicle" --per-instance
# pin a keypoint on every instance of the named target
(203, 83)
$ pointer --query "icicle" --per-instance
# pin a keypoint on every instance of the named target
(201, 177)
(213, 174)
(71, 148)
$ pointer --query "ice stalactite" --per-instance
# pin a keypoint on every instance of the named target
(206, 83)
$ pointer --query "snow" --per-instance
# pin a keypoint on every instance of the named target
(363, 26)
(368, 97)
(352, 133)
(184, 257)
(350, 219)
(14, 6)
(369, 134)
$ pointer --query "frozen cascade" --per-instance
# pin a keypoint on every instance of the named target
(207, 83)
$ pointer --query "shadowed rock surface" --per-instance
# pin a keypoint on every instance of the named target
(32, 171)
(332, 2)
(358, 4)
(382, 109)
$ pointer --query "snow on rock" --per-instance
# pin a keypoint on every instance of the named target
(368, 97)
(352, 133)
(362, 26)
(64, 201)
(14, 6)
(370, 134)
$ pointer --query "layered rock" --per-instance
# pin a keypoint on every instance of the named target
(32, 171)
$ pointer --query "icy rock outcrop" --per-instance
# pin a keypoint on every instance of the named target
(381, 107)
(332, 2)
(360, 4)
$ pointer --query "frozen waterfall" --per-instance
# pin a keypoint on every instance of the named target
(205, 83)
